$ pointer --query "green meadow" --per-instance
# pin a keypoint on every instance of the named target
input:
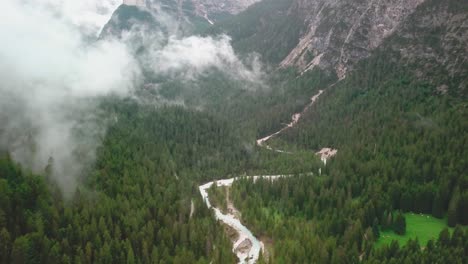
(421, 226)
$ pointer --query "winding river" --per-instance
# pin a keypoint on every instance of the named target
(247, 247)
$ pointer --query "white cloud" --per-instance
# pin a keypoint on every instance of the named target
(195, 55)
(49, 76)
(88, 15)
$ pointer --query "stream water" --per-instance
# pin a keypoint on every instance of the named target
(247, 247)
(245, 253)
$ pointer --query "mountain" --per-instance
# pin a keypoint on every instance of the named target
(269, 28)
(126, 18)
(212, 9)
(355, 113)
(433, 42)
(335, 35)
(176, 16)
(340, 33)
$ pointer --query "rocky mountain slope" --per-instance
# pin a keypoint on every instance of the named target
(434, 41)
(127, 17)
(193, 11)
(339, 33)
(213, 7)
(334, 35)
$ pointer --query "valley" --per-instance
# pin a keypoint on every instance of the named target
(246, 246)
(200, 131)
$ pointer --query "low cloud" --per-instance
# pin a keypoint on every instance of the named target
(191, 56)
(53, 76)
(50, 76)
(88, 15)
(165, 51)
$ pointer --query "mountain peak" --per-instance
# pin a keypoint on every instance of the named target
(141, 3)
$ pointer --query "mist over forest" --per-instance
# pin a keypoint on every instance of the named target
(233, 131)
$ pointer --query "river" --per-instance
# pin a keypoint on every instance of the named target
(247, 247)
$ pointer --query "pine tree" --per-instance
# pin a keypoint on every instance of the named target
(130, 256)
(452, 210)
(19, 252)
(375, 228)
(444, 238)
(5, 245)
(462, 209)
(400, 224)
(154, 255)
(438, 206)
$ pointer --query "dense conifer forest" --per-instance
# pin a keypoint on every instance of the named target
(402, 146)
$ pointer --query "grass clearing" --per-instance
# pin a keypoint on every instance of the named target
(421, 226)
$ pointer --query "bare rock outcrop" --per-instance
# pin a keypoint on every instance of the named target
(207, 7)
(438, 49)
(340, 33)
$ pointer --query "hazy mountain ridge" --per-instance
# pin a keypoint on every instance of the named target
(190, 12)
(212, 7)
(125, 18)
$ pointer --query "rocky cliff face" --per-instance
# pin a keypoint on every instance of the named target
(209, 10)
(213, 7)
(339, 33)
(182, 16)
(431, 35)
(130, 15)
(334, 35)
(434, 40)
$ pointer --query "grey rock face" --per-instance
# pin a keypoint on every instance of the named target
(342, 32)
(221, 6)
(176, 16)
(435, 41)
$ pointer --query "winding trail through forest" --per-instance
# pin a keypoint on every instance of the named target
(325, 153)
(246, 246)
(294, 120)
